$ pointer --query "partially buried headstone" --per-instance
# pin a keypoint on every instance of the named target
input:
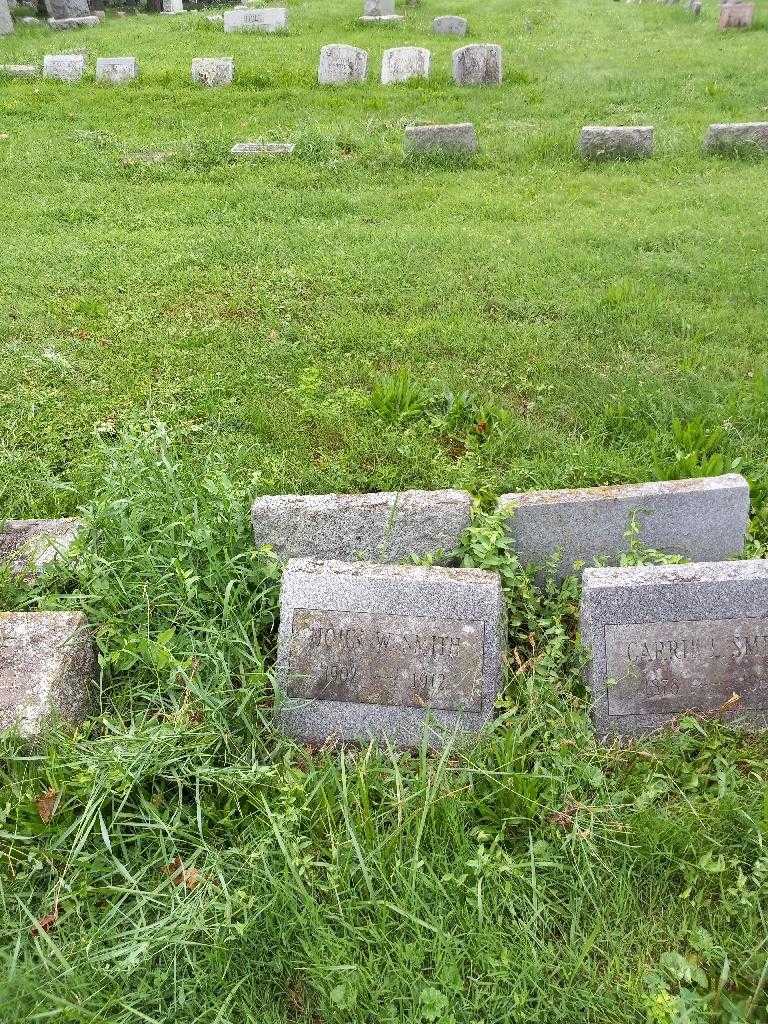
(702, 519)
(19, 70)
(213, 71)
(28, 546)
(65, 67)
(262, 149)
(379, 11)
(736, 15)
(6, 21)
(117, 70)
(613, 142)
(380, 652)
(65, 24)
(392, 526)
(441, 138)
(342, 65)
(262, 19)
(478, 64)
(749, 137)
(402, 63)
(449, 25)
(47, 663)
(664, 640)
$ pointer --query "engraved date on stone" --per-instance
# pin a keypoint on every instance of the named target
(395, 660)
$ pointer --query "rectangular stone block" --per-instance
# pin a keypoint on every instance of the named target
(445, 138)
(67, 24)
(392, 526)
(736, 16)
(261, 149)
(262, 19)
(342, 65)
(372, 652)
(47, 662)
(613, 142)
(27, 546)
(63, 9)
(68, 67)
(19, 70)
(749, 137)
(478, 64)
(378, 8)
(213, 71)
(665, 640)
(449, 25)
(402, 63)
(117, 70)
(703, 520)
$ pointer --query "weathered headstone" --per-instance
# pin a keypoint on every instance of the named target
(664, 640)
(61, 9)
(613, 142)
(262, 19)
(47, 662)
(450, 25)
(375, 652)
(441, 138)
(703, 520)
(173, 6)
(117, 70)
(213, 71)
(736, 15)
(402, 63)
(6, 21)
(27, 546)
(478, 64)
(65, 67)
(19, 70)
(66, 24)
(259, 149)
(379, 11)
(392, 526)
(342, 65)
(749, 137)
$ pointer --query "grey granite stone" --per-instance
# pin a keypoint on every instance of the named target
(61, 9)
(65, 67)
(379, 652)
(261, 19)
(6, 21)
(402, 63)
(731, 138)
(173, 6)
(392, 526)
(27, 546)
(613, 142)
(47, 662)
(736, 15)
(478, 64)
(68, 24)
(261, 149)
(213, 71)
(117, 70)
(383, 19)
(449, 138)
(19, 70)
(702, 520)
(378, 8)
(342, 65)
(450, 25)
(664, 640)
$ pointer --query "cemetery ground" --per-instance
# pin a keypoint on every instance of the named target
(182, 331)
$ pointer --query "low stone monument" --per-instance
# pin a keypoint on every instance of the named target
(261, 19)
(213, 71)
(450, 25)
(748, 137)
(19, 70)
(60, 10)
(379, 11)
(736, 15)
(441, 138)
(392, 526)
(478, 64)
(6, 21)
(402, 63)
(664, 640)
(28, 546)
(342, 65)
(260, 149)
(380, 652)
(612, 142)
(67, 24)
(703, 520)
(117, 70)
(173, 7)
(64, 67)
(47, 662)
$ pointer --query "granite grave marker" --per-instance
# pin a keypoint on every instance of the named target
(342, 65)
(478, 64)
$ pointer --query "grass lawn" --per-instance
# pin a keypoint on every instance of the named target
(179, 334)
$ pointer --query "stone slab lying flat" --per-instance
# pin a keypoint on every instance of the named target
(342, 65)
(703, 520)
(736, 15)
(261, 19)
(65, 24)
(19, 70)
(383, 19)
(615, 142)
(450, 25)
(749, 136)
(117, 70)
(478, 64)
(391, 526)
(260, 149)
(664, 640)
(47, 662)
(213, 71)
(445, 138)
(402, 63)
(372, 652)
(67, 67)
(27, 546)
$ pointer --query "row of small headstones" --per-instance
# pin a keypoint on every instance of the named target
(370, 648)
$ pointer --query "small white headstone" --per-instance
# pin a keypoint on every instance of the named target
(213, 71)
(342, 65)
(116, 70)
(65, 67)
(401, 63)
(173, 6)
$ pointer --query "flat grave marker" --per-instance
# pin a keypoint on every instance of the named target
(441, 138)
(747, 137)
(616, 142)
(213, 71)
(27, 546)
(257, 19)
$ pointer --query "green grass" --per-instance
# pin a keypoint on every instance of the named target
(354, 320)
